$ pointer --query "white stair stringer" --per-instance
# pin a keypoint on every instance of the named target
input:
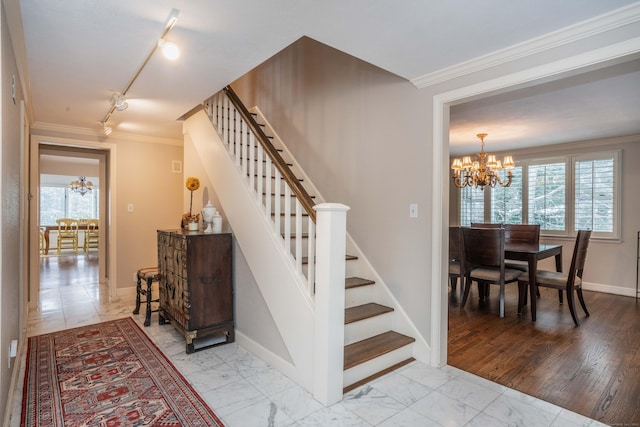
(271, 265)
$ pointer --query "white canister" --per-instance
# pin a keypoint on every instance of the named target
(217, 223)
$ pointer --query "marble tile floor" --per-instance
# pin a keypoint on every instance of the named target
(244, 391)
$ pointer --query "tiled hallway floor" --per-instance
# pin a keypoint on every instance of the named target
(245, 392)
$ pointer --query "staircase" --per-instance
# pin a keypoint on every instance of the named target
(371, 345)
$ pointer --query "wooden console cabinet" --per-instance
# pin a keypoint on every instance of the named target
(196, 286)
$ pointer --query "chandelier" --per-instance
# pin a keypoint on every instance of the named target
(81, 186)
(483, 172)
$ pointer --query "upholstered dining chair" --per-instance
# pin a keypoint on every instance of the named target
(456, 259)
(67, 234)
(91, 235)
(486, 225)
(570, 282)
(484, 257)
(522, 233)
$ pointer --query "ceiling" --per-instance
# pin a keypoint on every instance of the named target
(77, 53)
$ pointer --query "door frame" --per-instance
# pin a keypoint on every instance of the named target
(597, 58)
(107, 264)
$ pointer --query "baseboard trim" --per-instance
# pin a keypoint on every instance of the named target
(608, 289)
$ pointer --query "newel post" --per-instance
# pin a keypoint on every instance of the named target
(331, 226)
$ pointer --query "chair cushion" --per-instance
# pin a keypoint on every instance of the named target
(551, 279)
(515, 265)
(491, 274)
(149, 273)
(454, 268)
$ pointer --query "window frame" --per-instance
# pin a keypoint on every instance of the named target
(615, 155)
(570, 161)
(94, 194)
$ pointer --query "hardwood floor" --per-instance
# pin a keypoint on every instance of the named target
(593, 369)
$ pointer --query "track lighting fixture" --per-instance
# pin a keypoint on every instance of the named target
(169, 49)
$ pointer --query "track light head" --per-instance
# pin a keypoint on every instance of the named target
(120, 102)
(106, 129)
(169, 49)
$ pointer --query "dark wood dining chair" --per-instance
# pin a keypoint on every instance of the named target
(486, 225)
(456, 259)
(484, 258)
(522, 233)
(570, 282)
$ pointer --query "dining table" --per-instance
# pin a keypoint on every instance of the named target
(532, 253)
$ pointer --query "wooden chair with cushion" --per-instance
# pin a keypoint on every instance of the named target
(456, 259)
(91, 235)
(67, 234)
(42, 240)
(522, 233)
(484, 257)
(486, 225)
(568, 283)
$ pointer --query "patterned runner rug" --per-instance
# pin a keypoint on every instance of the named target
(108, 374)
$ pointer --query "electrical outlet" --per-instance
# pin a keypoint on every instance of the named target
(413, 210)
(130, 207)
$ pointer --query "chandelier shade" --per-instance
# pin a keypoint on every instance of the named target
(81, 186)
(482, 172)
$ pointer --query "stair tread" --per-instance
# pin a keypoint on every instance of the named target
(355, 282)
(376, 375)
(370, 348)
(365, 311)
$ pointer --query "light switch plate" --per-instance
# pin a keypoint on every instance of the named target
(413, 210)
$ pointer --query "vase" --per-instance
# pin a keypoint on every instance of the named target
(193, 226)
(208, 213)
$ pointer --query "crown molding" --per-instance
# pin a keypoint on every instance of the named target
(599, 24)
(98, 134)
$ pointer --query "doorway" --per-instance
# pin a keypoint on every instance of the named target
(442, 102)
(53, 162)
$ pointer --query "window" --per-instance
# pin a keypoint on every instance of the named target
(506, 202)
(595, 193)
(547, 195)
(562, 194)
(59, 202)
(471, 205)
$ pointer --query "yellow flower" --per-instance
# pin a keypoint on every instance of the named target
(193, 183)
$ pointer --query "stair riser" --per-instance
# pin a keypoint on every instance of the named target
(376, 365)
(358, 296)
(363, 329)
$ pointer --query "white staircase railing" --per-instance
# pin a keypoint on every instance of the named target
(316, 343)
(283, 198)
